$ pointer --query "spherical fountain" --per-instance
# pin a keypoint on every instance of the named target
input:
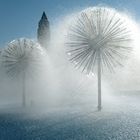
(98, 38)
(22, 59)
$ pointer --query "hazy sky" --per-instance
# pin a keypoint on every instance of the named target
(19, 18)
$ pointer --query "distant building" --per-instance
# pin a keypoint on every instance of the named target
(43, 32)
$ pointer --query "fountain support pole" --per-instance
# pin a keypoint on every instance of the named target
(99, 81)
(23, 91)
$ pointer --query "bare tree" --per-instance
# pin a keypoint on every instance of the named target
(21, 58)
(98, 38)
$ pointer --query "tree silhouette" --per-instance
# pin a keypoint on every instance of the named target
(98, 38)
(21, 58)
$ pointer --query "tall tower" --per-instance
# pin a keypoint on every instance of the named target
(43, 31)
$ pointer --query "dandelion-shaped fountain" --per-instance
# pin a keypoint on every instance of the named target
(98, 38)
(22, 59)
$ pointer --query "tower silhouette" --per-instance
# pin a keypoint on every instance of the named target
(43, 31)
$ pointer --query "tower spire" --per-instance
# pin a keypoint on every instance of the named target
(43, 32)
(44, 15)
